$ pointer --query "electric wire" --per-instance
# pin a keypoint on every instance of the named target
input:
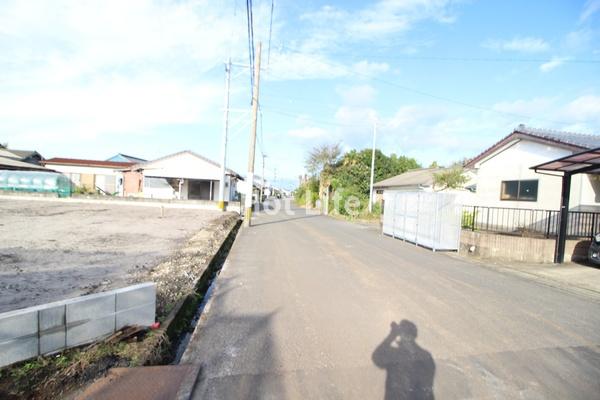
(270, 33)
(435, 96)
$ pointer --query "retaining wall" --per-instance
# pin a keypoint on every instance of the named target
(516, 248)
(56, 326)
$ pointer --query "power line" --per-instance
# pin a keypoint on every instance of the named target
(310, 119)
(270, 33)
(435, 96)
(250, 41)
(470, 59)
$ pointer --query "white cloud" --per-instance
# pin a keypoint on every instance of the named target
(309, 132)
(518, 44)
(297, 66)
(578, 39)
(107, 106)
(381, 19)
(359, 95)
(552, 64)
(526, 107)
(370, 68)
(589, 8)
(72, 70)
(584, 109)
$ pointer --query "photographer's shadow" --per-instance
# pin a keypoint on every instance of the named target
(410, 368)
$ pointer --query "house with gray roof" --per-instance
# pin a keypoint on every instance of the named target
(504, 178)
(24, 160)
(422, 180)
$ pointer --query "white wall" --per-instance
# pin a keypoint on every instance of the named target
(514, 163)
(184, 165)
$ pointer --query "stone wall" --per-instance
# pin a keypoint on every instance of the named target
(516, 248)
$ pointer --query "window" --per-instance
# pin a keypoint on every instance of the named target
(519, 190)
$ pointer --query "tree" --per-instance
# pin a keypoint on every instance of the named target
(451, 178)
(354, 169)
(434, 165)
(323, 158)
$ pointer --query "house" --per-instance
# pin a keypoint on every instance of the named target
(419, 180)
(504, 178)
(95, 175)
(24, 160)
(184, 175)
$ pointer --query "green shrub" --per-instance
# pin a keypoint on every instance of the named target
(468, 218)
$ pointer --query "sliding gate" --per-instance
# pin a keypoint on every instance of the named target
(432, 220)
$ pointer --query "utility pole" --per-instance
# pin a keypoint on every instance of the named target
(372, 167)
(224, 145)
(252, 147)
(262, 186)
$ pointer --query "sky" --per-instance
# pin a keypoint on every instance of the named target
(442, 80)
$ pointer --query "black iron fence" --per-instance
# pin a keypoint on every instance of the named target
(529, 222)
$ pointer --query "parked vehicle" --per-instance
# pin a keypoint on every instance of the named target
(594, 250)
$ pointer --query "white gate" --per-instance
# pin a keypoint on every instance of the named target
(431, 220)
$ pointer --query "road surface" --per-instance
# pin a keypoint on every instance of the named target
(312, 307)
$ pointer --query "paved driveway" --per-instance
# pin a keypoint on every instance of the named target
(312, 307)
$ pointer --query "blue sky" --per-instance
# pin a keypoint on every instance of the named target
(444, 79)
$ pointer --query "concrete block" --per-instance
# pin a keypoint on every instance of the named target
(18, 349)
(90, 318)
(54, 326)
(142, 316)
(135, 296)
(52, 329)
(90, 330)
(14, 325)
(90, 307)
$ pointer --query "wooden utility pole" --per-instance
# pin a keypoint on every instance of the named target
(372, 168)
(252, 147)
(224, 145)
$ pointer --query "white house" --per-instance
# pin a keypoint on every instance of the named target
(504, 177)
(184, 175)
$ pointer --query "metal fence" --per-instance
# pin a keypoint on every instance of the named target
(431, 220)
(529, 222)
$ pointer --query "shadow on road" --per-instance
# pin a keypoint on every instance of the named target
(410, 368)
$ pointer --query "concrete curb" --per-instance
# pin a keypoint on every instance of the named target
(124, 201)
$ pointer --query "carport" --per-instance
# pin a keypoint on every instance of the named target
(586, 162)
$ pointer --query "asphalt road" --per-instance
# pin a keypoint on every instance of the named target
(312, 307)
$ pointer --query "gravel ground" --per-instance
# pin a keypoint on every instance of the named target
(52, 250)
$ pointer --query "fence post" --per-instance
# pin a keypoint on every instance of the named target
(593, 224)
(548, 224)
(394, 215)
(474, 214)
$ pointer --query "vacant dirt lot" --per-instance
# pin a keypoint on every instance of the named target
(53, 250)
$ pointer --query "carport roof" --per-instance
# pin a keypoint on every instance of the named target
(587, 161)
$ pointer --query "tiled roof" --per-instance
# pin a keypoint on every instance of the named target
(87, 163)
(582, 140)
(572, 140)
(11, 163)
